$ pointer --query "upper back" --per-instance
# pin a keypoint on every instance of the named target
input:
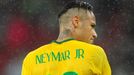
(69, 55)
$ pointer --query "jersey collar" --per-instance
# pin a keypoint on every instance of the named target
(63, 40)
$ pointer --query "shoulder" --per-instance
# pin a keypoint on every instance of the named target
(80, 43)
(33, 53)
(91, 47)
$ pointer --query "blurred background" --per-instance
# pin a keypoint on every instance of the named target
(28, 24)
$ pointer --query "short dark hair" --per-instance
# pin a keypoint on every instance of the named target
(76, 4)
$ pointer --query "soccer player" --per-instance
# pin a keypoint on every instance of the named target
(73, 53)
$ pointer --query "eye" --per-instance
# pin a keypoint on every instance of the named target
(93, 25)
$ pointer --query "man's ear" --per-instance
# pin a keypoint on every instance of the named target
(76, 21)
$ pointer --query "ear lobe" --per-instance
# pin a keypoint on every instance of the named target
(75, 21)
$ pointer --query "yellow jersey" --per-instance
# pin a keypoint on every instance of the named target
(69, 57)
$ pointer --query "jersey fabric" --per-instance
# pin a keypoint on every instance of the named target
(69, 57)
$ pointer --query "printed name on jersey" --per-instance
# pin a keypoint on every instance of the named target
(59, 56)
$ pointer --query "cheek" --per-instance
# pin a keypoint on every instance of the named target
(87, 32)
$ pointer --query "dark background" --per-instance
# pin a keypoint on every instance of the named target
(28, 24)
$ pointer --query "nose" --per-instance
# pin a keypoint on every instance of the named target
(94, 34)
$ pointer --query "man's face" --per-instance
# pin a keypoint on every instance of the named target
(86, 30)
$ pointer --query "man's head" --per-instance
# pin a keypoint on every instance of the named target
(78, 21)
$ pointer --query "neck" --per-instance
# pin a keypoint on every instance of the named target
(63, 36)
